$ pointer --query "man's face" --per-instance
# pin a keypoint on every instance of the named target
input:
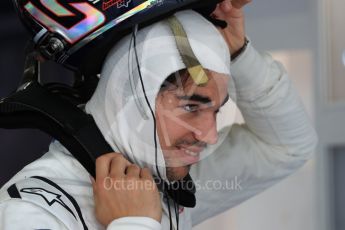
(186, 121)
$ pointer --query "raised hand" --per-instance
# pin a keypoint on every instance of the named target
(232, 13)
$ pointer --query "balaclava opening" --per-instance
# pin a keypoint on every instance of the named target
(119, 105)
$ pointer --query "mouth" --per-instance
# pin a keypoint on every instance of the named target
(189, 155)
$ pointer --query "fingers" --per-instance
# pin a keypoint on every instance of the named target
(115, 166)
(118, 166)
(111, 163)
(102, 166)
(240, 3)
(119, 197)
(146, 174)
(222, 10)
(225, 6)
(133, 171)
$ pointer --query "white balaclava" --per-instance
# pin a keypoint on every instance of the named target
(118, 104)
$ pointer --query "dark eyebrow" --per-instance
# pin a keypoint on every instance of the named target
(201, 99)
(195, 97)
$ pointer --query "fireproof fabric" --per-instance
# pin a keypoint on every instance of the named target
(276, 140)
(118, 105)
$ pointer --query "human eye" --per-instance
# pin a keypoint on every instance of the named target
(191, 108)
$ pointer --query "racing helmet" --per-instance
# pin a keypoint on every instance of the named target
(79, 33)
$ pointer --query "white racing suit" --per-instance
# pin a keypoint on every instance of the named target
(275, 141)
(55, 192)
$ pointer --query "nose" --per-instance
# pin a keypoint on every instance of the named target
(206, 130)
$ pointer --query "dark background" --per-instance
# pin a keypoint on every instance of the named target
(18, 147)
